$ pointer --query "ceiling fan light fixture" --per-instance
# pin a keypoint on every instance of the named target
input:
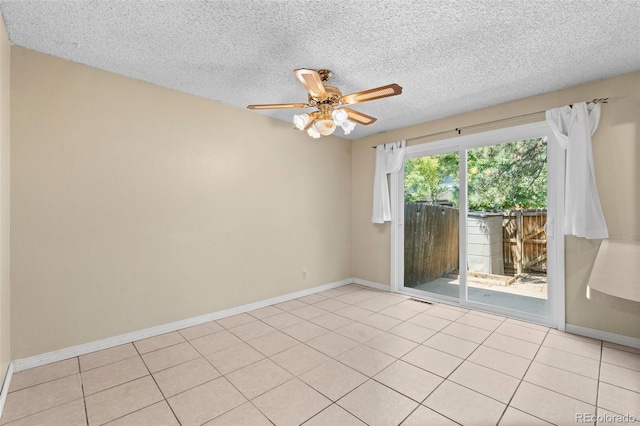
(348, 126)
(301, 121)
(325, 127)
(339, 116)
(311, 131)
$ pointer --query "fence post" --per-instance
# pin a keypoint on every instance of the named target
(519, 245)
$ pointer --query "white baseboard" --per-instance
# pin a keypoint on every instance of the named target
(66, 353)
(5, 387)
(371, 284)
(603, 335)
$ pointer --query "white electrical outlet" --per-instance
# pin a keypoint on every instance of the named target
(304, 275)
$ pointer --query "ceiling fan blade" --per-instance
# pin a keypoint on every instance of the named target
(369, 95)
(278, 106)
(359, 117)
(311, 80)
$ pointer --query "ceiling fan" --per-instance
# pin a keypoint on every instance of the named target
(330, 102)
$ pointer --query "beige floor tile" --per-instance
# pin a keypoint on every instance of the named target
(235, 357)
(538, 327)
(304, 331)
(330, 305)
(307, 312)
(335, 292)
(429, 321)
(299, 359)
(467, 332)
(377, 405)
(453, 307)
(398, 312)
(433, 360)
(245, 415)
(158, 342)
(41, 397)
(282, 320)
(414, 305)
(409, 380)
(607, 417)
(575, 346)
(267, 311)
(155, 415)
(168, 357)
(511, 345)
(500, 361)
(372, 305)
(291, 403)
(390, 298)
(381, 322)
(479, 321)
(391, 344)
(358, 331)
(452, 345)
(258, 378)
(111, 375)
(620, 376)
(486, 381)
(619, 400)
(488, 315)
(211, 343)
(273, 343)
(333, 379)
(464, 405)
(235, 320)
(513, 417)
(312, 298)
(366, 360)
(621, 347)
(353, 312)
(331, 321)
(200, 330)
(584, 366)
(424, 416)
(621, 358)
(548, 405)
(290, 305)
(445, 313)
(69, 414)
(412, 332)
(185, 376)
(43, 374)
(575, 336)
(205, 402)
(332, 344)
(252, 330)
(356, 296)
(574, 385)
(522, 333)
(334, 415)
(116, 402)
(107, 356)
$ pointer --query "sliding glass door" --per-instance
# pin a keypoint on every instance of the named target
(476, 223)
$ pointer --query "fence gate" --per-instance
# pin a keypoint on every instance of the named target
(525, 241)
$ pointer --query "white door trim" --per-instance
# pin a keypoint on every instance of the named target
(555, 198)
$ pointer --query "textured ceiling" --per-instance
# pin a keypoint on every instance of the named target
(449, 56)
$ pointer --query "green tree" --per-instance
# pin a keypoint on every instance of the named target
(500, 177)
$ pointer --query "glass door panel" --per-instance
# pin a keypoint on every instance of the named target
(432, 224)
(506, 224)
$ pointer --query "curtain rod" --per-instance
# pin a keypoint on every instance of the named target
(471, 126)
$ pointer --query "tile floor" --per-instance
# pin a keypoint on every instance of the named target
(346, 356)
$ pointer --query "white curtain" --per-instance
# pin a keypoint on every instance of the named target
(573, 127)
(389, 159)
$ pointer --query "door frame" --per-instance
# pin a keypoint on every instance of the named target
(555, 212)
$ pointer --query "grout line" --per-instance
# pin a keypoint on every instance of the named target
(84, 398)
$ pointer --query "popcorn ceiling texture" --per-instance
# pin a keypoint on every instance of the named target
(449, 56)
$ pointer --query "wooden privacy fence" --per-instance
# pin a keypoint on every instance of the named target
(430, 242)
(431, 235)
(524, 241)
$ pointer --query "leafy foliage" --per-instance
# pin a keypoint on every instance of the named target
(500, 177)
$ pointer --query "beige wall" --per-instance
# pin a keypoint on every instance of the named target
(616, 146)
(5, 319)
(134, 206)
